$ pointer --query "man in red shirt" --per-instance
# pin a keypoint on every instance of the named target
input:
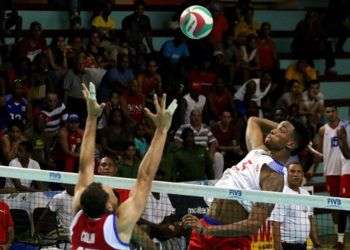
(6, 227)
(99, 222)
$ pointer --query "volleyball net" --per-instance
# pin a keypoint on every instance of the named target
(43, 218)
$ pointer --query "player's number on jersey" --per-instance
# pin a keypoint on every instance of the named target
(243, 166)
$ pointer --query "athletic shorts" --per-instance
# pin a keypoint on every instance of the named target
(333, 185)
(204, 242)
(345, 186)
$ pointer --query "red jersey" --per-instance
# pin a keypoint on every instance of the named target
(5, 222)
(74, 141)
(135, 105)
(95, 234)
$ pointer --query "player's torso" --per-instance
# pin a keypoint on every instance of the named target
(331, 151)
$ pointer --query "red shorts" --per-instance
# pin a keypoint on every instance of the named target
(204, 242)
(338, 185)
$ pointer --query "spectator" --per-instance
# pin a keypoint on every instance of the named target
(253, 90)
(73, 96)
(137, 27)
(279, 115)
(12, 139)
(128, 166)
(17, 104)
(175, 51)
(310, 41)
(54, 114)
(133, 102)
(57, 53)
(95, 53)
(219, 99)
(202, 137)
(293, 96)
(24, 160)
(247, 59)
(246, 26)
(221, 67)
(191, 162)
(61, 203)
(302, 72)
(104, 21)
(220, 22)
(228, 132)
(6, 227)
(69, 139)
(292, 225)
(33, 43)
(267, 52)
(140, 142)
(192, 101)
(9, 20)
(117, 135)
(20, 72)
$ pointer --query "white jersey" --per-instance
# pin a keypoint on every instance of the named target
(332, 156)
(346, 162)
(246, 174)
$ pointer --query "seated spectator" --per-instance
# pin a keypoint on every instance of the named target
(191, 101)
(73, 95)
(54, 113)
(279, 115)
(132, 103)
(253, 90)
(293, 96)
(311, 41)
(140, 142)
(129, 163)
(150, 81)
(137, 27)
(6, 227)
(202, 78)
(95, 53)
(57, 53)
(9, 20)
(267, 52)
(24, 160)
(202, 137)
(175, 51)
(117, 135)
(292, 225)
(246, 26)
(17, 104)
(220, 22)
(221, 67)
(191, 162)
(20, 72)
(219, 99)
(69, 140)
(33, 43)
(61, 203)
(104, 21)
(12, 139)
(302, 72)
(228, 131)
(247, 59)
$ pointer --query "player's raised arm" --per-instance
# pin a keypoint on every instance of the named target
(256, 128)
(130, 211)
(87, 150)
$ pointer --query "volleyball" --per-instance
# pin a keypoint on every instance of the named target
(196, 22)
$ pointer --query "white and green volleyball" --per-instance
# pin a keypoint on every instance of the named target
(196, 22)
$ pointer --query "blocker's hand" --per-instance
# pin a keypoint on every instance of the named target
(93, 108)
(162, 118)
(191, 221)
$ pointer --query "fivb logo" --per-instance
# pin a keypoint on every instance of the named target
(333, 202)
(235, 194)
(54, 176)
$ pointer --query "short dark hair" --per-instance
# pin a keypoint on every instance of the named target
(301, 135)
(27, 145)
(93, 200)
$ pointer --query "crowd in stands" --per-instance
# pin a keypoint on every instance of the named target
(219, 81)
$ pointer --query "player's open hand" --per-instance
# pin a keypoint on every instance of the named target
(93, 108)
(162, 118)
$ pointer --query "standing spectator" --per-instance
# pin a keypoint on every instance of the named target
(24, 160)
(137, 27)
(202, 137)
(73, 96)
(310, 41)
(191, 162)
(246, 26)
(6, 227)
(220, 22)
(292, 225)
(332, 160)
(133, 102)
(228, 132)
(267, 51)
(254, 90)
(33, 43)
(104, 21)
(302, 72)
(70, 137)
